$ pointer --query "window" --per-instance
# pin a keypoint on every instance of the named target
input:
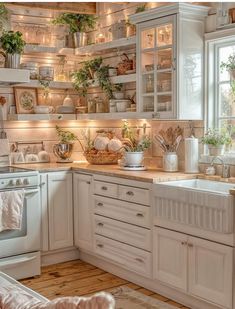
(220, 93)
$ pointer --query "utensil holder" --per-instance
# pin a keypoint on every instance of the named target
(170, 162)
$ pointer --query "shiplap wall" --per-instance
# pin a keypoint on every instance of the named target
(45, 130)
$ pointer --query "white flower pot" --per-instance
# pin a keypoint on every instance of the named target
(133, 158)
(216, 150)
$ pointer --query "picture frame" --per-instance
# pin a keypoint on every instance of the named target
(26, 99)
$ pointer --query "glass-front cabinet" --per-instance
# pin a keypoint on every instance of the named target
(170, 61)
(157, 66)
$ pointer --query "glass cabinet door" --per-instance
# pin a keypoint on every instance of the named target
(157, 66)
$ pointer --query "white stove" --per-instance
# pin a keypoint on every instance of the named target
(19, 253)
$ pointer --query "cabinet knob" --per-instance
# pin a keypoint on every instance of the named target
(100, 245)
(139, 260)
(183, 243)
(100, 204)
(104, 188)
(88, 182)
(190, 245)
(139, 215)
(130, 193)
(100, 224)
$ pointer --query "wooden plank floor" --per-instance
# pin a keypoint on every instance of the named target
(79, 278)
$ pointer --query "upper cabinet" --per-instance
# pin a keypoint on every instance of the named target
(170, 60)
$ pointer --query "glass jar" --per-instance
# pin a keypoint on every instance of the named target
(100, 106)
(91, 105)
(60, 71)
(149, 84)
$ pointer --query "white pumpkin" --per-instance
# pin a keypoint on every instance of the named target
(101, 142)
(114, 144)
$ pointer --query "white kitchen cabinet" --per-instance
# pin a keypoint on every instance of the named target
(210, 271)
(170, 60)
(83, 211)
(170, 258)
(199, 267)
(60, 210)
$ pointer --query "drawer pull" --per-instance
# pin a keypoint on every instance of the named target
(130, 193)
(100, 204)
(100, 245)
(139, 260)
(100, 224)
(140, 215)
(183, 243)
(190, 245)
(104, 188)
(88, 182)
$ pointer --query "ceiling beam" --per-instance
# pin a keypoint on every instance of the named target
(73, 7)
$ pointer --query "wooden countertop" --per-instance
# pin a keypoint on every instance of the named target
(151, 175)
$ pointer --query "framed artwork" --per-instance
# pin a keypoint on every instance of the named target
(26, 99)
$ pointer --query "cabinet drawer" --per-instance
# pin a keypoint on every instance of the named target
(123, 211)
(133, 259)
(130, 234)
(106, 189)
(135, 195)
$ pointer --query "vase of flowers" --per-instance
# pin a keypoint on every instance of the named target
(216, 140)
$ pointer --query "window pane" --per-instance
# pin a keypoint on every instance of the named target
(147, 39)
(164, 59)
(224, 53)
(164, 35)
(227, 101)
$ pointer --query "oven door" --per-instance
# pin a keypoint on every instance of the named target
(27, 239)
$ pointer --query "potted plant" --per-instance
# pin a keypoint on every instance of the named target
(13, 45)
(216, 140)
(78, 24)
(229, 66)
(92, 72)
(134, 145)
(63, 149)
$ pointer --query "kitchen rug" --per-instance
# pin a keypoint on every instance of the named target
(127, 298)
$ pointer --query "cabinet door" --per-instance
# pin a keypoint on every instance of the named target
(60, 210)
(170, 257)
(82, 211)
(156, 69)
(210, 271)
(44, 213)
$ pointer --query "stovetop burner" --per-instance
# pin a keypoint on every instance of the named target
(11, 169)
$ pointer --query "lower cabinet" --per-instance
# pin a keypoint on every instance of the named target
(199, 267)
(83, 236)
(57, 210)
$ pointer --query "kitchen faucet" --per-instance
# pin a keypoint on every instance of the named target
(225, 167)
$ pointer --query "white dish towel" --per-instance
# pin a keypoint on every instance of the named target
(11, 210)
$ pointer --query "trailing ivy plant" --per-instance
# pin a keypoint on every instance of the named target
(76, 22)
(3, 11)
(84, 77)
(12, 42)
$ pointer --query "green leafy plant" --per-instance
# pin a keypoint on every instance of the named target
(141, 8)
(65, 136)
(3, 11)
(133, 141)
(84, 77)
(12, 42)
(230, 64)
(76, 22)
(217, 137)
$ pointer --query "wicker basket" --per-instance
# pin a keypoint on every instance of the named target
(103, 157)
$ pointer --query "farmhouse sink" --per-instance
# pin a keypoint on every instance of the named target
(202, 185)
(198, 203)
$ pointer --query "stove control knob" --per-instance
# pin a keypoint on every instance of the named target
(19, 182)
(26, 181)
(11, 183)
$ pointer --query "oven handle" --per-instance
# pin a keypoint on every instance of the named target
(30, 192)
(15, 262)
